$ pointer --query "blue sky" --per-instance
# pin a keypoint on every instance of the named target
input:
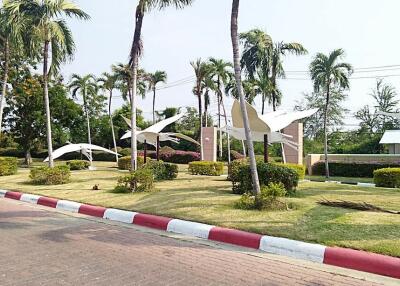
(366, 29)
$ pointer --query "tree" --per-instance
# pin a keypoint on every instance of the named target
(109, 83)
(154, 79)
(202, 71)
(328, 72)
(137, 46)
(85, 85)
(48, 32)
(238, 76)
(220, 72)
(123, 74)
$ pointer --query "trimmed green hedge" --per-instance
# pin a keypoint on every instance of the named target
(124, 163)
(267, 173)
(50, 176)
(162, 170)
(8, 166)
(387, 177)
(141, 180)
(362, 170)
(78, 165)
(206, 168)
(300, 169)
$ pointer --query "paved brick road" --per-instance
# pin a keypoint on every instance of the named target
(44, 247)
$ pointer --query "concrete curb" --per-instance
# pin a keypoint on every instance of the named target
(342, 257)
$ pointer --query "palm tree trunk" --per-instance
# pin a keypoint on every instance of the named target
(219, 124)
(263, 104)
(226, 125)
(88, 125)
(325, 131)
(134, 63)
(201, 122)
(154, 105)
(236, 63)
(46, 103)
(5, 79)
(112, 127)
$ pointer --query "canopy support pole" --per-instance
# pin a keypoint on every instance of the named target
(158, 148)
(145, 151)
(265, 148)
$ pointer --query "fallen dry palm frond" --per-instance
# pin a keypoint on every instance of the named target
(355, 205)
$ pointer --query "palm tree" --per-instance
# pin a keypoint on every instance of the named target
(109, 83)
(154, 79)
(327, 72)
(47, 31)
(202, 71)
(85, 85)
(124, 77)
(277, 51)
(238, 76)
(137, 46)
(222, 74)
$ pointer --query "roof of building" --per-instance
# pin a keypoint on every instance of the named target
(390, 137)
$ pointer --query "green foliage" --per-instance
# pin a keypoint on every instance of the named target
(50, 176)
(300, 169)
(362, 170)
(141, 180)
(8, 166)
(387, 177)
(78, 164)
(267, 200)
(267, 173)
(206, 168)
(161, 170)
(124, 163)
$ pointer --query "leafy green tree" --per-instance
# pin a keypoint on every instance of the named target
(154, 79)
(327, 72)
(47, 31)
(238, 77)
(123, 74)
(137, 46)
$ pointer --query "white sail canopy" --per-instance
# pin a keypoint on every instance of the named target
(86, 150)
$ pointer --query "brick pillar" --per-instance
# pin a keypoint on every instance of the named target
(296, 130)
(210, 144)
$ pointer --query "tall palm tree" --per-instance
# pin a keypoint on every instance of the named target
(109, 83)
(202, 71)
(328, 72)
(47, 31)
(277, 51)
(124, 77)
(85, 85)
(137, 46)
(238, 77)
(222, 75)
(154, 79)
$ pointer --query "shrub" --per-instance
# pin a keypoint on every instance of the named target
(267, 199)
(78, 165)
(12, 152)
(139, 181)
(50, 176)
(387, 177)
(124, 163)
(267, 173)
(206, 168)
(339, 169)
(162, 170)
(8, 166)
(300, 169)
(180, 157)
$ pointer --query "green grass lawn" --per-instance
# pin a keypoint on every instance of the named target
(209, 200)
(340, 179)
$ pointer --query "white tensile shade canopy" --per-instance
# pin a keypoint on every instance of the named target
(86, 150)
(150, 134)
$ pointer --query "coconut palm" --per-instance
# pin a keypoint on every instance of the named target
(137, 46)
(153, 79)
(109, 83)
(221, 73)
(328, 72)
(85, 85)
(47, 31)
(277, 51)
(123, 75)
(238, 77)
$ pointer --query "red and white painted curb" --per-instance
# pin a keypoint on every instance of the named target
(342, 257)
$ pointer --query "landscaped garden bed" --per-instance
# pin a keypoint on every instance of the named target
(210, 200)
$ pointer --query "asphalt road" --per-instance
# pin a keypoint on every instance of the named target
(41, 246)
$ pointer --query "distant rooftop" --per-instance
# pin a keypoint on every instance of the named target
(390, 137)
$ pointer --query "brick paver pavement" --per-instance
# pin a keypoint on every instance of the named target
(46, 247)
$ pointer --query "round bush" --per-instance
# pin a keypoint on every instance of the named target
(78, 165)
(124, 163)
(206, 168)
(300, 169)
(139, 181)
(50, 176)
(387, 177)
(8, 166)
(162, 170)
